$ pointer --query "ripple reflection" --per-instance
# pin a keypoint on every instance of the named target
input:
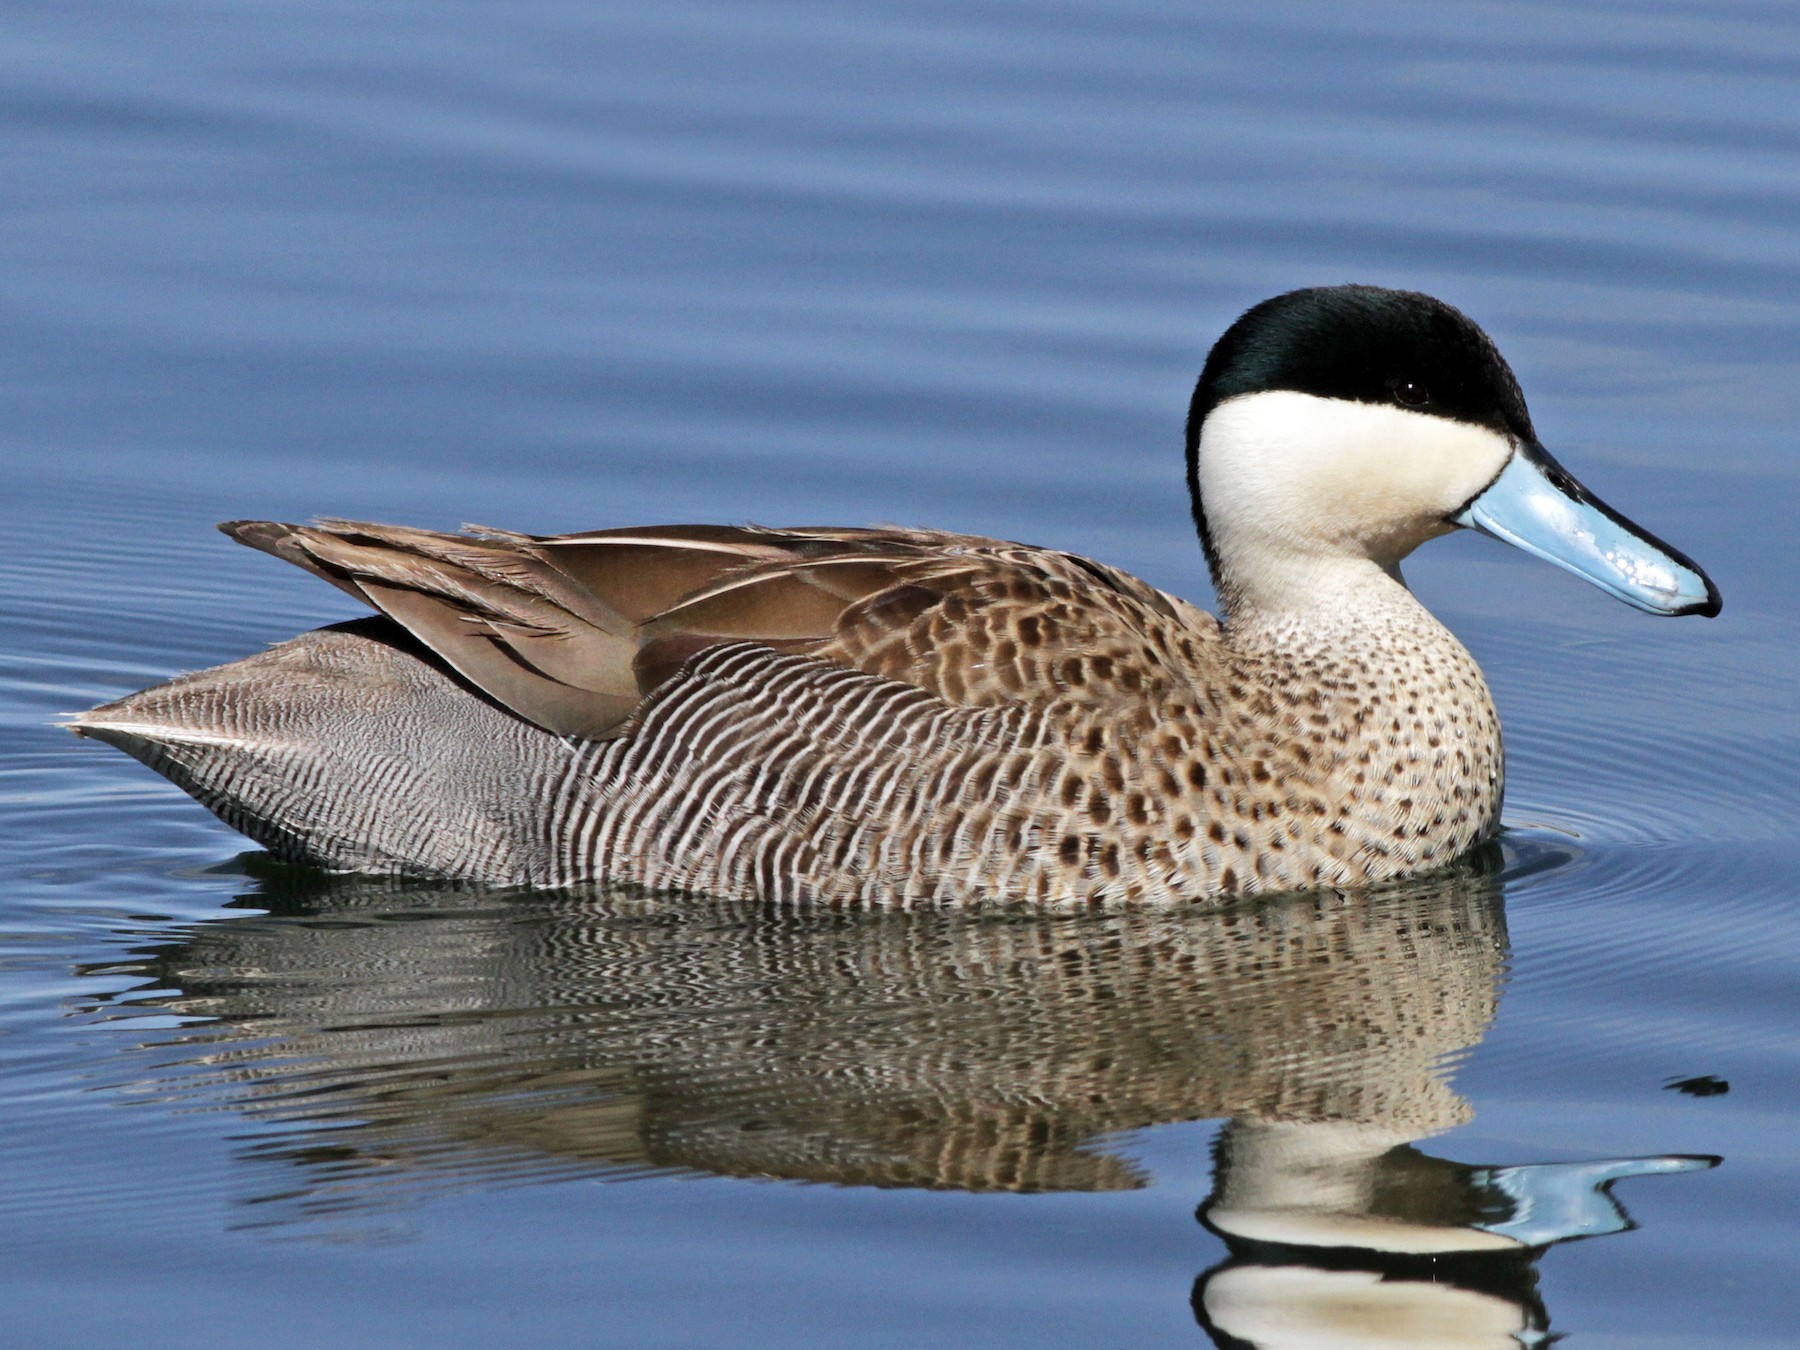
(393, 1041)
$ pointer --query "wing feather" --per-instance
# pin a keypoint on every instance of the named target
(572, 631)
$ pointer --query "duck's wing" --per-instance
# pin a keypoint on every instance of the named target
(572, 631)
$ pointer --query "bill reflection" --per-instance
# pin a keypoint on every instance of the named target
(1341, 1235)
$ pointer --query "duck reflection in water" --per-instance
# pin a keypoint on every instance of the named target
(394, 1041)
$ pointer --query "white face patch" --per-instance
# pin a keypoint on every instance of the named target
(1294, 472)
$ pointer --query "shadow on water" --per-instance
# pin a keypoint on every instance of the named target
(389, 1041)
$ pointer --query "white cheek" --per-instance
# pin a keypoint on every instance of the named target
(1332, 474)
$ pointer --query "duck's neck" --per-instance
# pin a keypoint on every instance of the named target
(1312, 591)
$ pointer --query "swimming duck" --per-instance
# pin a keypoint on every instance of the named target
(909, 717)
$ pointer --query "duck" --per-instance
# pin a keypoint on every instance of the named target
(908, 718)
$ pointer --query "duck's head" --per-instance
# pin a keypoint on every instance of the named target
(1346, 425)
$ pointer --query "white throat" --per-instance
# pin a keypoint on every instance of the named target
(1312, 502)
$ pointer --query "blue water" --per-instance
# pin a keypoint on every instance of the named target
(558, 266)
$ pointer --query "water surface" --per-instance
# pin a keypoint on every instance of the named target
(560, 266)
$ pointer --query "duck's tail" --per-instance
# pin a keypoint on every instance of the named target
(348, 748)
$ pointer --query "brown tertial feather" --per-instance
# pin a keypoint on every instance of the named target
(571, 632)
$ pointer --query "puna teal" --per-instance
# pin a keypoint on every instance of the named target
(906, 717)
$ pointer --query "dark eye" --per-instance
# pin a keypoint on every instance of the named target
(1411, 394)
